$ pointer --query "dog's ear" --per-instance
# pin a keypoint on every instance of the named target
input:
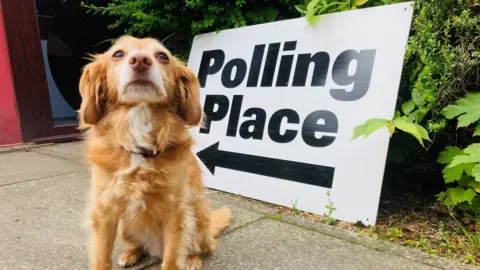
(187, 94)
(91, 86)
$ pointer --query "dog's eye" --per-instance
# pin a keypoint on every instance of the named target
(118, 54)
(162, 56)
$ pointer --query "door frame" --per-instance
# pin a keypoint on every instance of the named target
(29, 75)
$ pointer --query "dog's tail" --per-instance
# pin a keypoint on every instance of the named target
(220, 220)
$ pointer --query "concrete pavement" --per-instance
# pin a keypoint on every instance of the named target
(43, 192)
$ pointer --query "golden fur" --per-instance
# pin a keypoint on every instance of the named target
(137, 95)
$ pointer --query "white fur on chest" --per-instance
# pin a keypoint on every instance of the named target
(140, 121)
(119, 188)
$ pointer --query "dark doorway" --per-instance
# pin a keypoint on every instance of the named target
(67, 35)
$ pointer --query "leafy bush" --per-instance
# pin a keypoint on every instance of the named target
(179, 21)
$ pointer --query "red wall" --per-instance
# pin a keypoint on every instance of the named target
(10, 132)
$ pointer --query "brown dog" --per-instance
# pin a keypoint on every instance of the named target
(138, 102)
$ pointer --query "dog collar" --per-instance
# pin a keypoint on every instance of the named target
(146, 153)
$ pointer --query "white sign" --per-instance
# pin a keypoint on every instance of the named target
(283, 98)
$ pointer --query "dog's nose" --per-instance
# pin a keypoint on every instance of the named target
(140, 63)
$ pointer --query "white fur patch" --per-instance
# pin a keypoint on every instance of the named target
(116, 189)
(135, 205)
(141, 125)
(136, 160)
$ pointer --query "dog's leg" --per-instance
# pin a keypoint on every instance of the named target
(104, 224)
(205, 243)
(178, 239)
(134, 252)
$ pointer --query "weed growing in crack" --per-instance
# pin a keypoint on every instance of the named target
(331, 208)
(395, 233)
(295, 210)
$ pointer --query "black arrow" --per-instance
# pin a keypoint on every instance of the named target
(305, 173)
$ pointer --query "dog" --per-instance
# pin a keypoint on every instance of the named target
(138, 103)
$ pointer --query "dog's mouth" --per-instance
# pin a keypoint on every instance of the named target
(141, 84)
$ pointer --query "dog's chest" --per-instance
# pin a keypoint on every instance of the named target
(132, 185)
(141, 126)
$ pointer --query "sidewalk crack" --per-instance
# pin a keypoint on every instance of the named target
(41, 178)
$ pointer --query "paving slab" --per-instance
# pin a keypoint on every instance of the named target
(74, 151)
(27, 165)
(270, 244)
(40, 223)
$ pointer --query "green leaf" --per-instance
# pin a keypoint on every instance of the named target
(477, 130)
(415, 71)
(397, 114)
(420, 114)
(416, 130)
(310, 16)
(360, 2)
(465, 181)
(459, 195)
(408, 106)
(466, 109)
(329, 8)
(452, 174)
(468, 168)
(462, 159)
(312, 4)
(471, 155)
(476, 172)
(447, 155)
(370, 126)
(417, 115)
(391, 129)
(441, 196)
(472, 149)
(270, 14)
(301, 8)
(311, 11)
(417, 97)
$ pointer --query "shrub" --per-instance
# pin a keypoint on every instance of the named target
(179, 21)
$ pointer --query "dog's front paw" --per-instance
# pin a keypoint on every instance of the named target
(194, 263)
(130, 257)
